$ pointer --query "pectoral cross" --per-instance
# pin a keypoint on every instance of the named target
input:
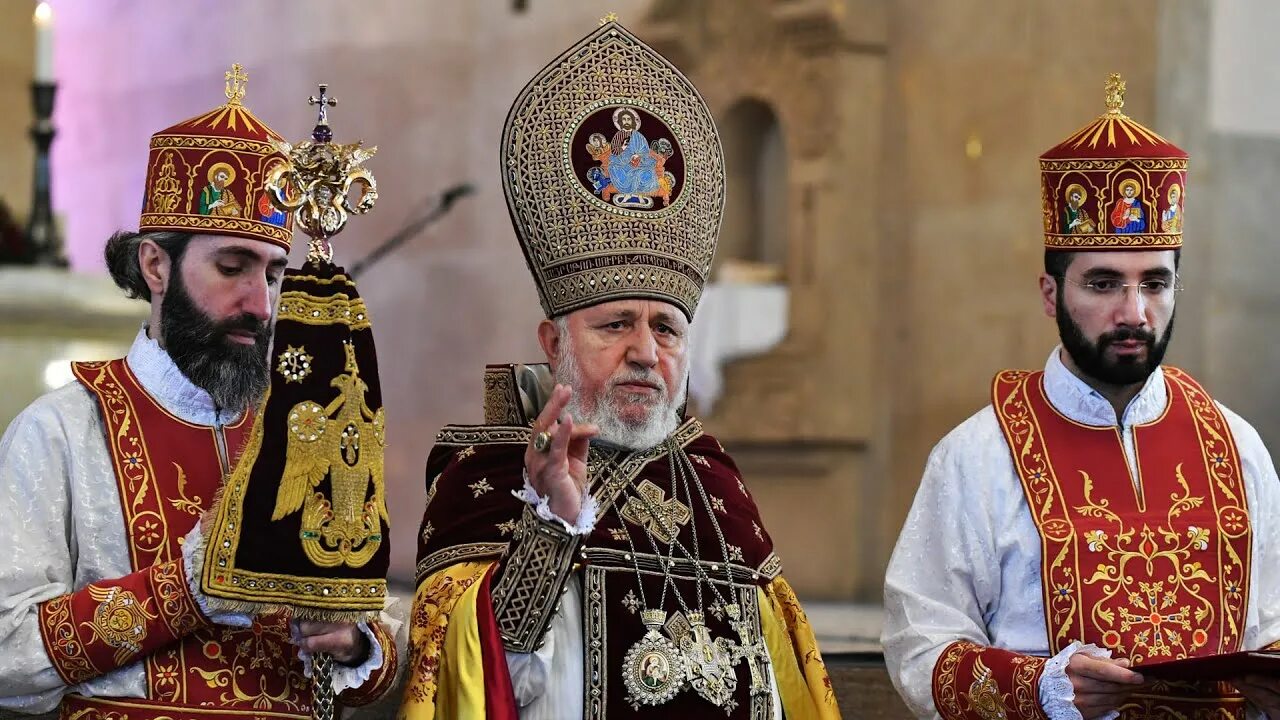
(749, 648)
(710, 669)
(661, 517)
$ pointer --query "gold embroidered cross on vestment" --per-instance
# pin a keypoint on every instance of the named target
(661, 517)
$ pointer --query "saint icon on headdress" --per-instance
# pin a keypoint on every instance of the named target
(267, 211)
(1075, 217)
(216, 198)
(1128, 217)
(1171, 218)
(632, 171)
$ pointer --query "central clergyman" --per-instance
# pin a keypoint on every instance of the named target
(589, 551)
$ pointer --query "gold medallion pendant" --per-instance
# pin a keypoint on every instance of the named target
(653, 669)
(710, 664)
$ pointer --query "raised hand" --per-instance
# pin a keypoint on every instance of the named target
(556, 458)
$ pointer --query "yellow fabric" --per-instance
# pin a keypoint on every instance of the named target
(447, 597)
(797, 664)
(461, 691)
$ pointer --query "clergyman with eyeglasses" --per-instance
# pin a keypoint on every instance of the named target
(1103, 515)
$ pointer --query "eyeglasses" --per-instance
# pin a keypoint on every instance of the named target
(1111, 289)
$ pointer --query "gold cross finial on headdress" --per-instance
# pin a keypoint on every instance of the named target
(236, 80)
(611, 17)
(1115, 93)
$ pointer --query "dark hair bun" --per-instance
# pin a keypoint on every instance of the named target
(122, 261)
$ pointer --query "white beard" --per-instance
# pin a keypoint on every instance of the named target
(662, 420)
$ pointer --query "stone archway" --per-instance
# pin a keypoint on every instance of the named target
(755, 226)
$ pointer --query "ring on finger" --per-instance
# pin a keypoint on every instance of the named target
(542, 441)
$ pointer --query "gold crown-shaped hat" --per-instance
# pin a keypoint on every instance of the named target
(614, 177)
(208, 174)
(1113, 185)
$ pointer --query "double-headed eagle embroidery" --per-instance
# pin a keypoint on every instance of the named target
(985, 698)
(344, 441)
(119, 621)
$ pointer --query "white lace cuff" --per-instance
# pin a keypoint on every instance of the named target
(193, 559)
(1057, 696)
(586, 521)
(344, 677)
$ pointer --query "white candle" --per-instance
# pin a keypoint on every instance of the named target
(44, 43)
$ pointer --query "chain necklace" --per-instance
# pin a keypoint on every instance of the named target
(750, 647)
(656, 668)
(653, 670)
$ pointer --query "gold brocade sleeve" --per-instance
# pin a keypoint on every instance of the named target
(433, 605)
(974, 682)
(460, 690)
(531, 579)
(802, 677)
(112, 623)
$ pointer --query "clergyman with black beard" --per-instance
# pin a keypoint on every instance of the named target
(168, 420)
(1098, 360)
(1103, 514)
(108, 483)
(234, 374)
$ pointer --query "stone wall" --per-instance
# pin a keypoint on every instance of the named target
(911, 132)
(1213, 57)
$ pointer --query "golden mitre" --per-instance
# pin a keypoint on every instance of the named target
(614, 177)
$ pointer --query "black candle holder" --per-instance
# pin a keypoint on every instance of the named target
(44, 247)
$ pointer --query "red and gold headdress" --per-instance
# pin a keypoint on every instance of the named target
(208, 174)
(1113, 185)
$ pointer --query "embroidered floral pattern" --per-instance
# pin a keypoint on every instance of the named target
(253, 668)
(435, 600)
(1158, 583)
(61, 642)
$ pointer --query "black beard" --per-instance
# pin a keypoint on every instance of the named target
(235, 375)
(1091, 357)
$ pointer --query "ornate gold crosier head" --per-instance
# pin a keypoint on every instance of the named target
(315, 183)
